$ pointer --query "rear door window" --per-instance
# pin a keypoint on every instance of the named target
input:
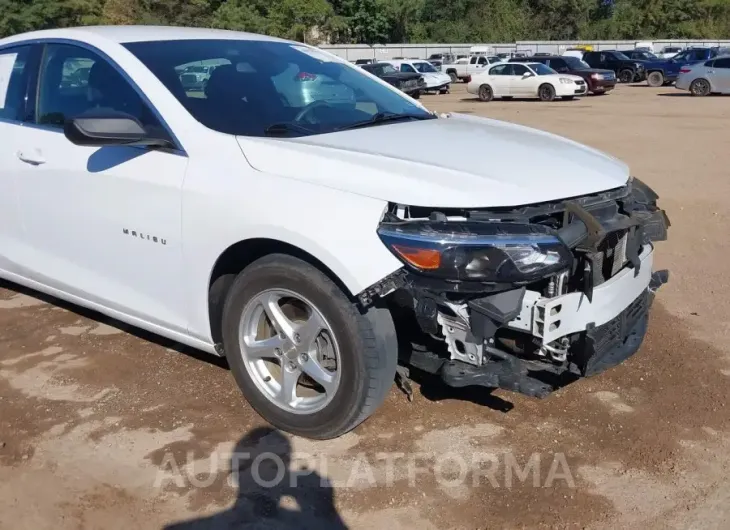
(722, 63)
(14, 72)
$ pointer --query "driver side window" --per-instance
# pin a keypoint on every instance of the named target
(407, 68)
(75, 80)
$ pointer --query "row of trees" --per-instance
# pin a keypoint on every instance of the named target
(375, 21)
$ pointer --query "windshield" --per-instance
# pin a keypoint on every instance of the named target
(576, 64)
(620, 56)
(541, 69)
(264, 85)
(424, 67)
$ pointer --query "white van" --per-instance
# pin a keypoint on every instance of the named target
(479, 50)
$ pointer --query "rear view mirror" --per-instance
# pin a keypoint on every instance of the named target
(108, 127)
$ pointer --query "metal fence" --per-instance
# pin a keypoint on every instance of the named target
(383, 52)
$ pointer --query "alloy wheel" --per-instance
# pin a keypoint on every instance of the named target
(289, 351)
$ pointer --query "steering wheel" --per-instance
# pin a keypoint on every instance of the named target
(309, 108)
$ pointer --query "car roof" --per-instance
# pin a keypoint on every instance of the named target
(125, 34)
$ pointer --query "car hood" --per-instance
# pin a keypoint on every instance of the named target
(455, 161)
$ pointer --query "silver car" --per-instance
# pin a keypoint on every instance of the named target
(706, 78)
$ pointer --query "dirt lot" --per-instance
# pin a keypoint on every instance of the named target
(102, 426)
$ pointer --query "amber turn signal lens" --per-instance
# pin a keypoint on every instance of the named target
(421, 258)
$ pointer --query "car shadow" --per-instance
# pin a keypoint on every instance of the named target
(109, 157)
(270, 495)
(122, 326)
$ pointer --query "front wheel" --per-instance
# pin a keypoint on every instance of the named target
(303, 355)
(655, 79)
(546, 92)
(453, 77)
(700, 87)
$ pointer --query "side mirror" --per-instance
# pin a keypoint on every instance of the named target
(526, 75)
(107, 127)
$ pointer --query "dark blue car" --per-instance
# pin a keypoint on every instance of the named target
(665, 71)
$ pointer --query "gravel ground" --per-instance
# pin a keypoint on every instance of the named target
(103, 426)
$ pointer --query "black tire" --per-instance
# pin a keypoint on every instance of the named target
(416, 95)
(655, 79)
(368, 347)
(700, 87)
(486, 93)
(453, 76)
(568, 98)
(546, 92)
(443, 91)
(626, 76)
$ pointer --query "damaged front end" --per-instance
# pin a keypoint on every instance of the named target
(528, 298)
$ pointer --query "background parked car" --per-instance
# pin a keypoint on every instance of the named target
(525, 80)
(195, 77)
(626, 70)
(599, 81)
(435, 81)
(665, 71)
(360, 62)
(702, 79)
(410, 83)
(642, 55)
(669, 51)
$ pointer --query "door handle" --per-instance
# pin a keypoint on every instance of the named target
(31, 157)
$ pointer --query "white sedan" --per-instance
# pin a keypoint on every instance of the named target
(525, 80)
(296, 216)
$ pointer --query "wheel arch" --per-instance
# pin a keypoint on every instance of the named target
(240, 255)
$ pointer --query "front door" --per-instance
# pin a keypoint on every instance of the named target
(100, 223)
(522, 81)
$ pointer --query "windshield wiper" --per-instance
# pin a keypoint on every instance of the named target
(383, 117)
(282, 129)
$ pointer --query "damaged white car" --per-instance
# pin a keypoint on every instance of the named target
(295, 215)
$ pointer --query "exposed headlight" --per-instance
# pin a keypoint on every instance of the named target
(476, 251)
(566, 80)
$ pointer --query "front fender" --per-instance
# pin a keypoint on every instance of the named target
(222, 209)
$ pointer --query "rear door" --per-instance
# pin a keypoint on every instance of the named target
(18, 65)
(498, 79)
(593, 59)
(719, 75)
(559, 65)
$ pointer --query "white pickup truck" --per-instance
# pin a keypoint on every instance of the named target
(463, 69)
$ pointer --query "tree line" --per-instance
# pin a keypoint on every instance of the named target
(380, 21)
